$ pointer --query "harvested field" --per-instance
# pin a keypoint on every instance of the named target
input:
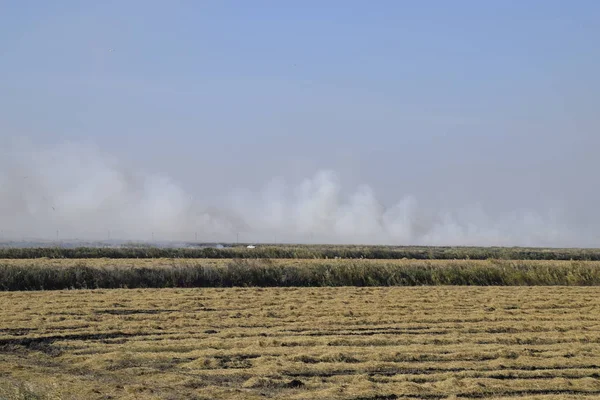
(302, 343)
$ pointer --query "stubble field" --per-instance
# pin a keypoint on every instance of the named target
(302, 343)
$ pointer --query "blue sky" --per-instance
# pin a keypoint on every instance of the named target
(454, 102)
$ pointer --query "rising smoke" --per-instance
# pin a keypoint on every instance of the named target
(76, 191)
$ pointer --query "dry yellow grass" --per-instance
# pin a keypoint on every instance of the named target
(219, 262)
(302, 343)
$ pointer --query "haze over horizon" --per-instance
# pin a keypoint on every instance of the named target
(463, 123)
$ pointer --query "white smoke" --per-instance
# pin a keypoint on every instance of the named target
(76, 191)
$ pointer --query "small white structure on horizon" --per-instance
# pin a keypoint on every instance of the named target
(250, 247)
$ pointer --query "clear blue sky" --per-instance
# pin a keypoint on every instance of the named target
(453, 101)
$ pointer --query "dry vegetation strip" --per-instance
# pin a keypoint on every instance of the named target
(307, 251)
(302, 343)
(222, 262)
(56, 274)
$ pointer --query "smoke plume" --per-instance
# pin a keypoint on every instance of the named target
(75, 191)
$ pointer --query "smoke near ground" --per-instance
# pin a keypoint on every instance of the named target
(75, 191)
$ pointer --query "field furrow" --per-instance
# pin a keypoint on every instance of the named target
(303, 343)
